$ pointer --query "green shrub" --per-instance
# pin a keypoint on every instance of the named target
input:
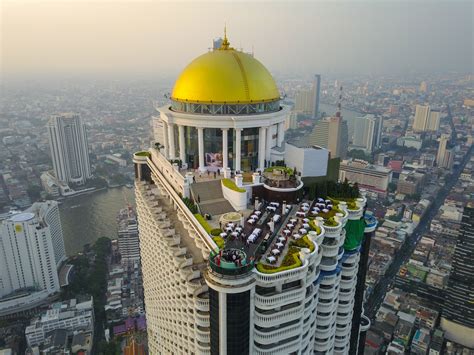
(303, 243)
(313, 226)
(289, 171)
(190, 204)
(230, 184)
(216, 232)
(142, 154)
(330, 222)
(203, 223)
(219, 241)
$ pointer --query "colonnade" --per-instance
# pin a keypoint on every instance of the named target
(265, 143)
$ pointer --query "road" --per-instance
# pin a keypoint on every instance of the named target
(378, 294)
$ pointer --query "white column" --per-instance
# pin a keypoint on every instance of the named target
(222, 323)
(281, 133)
(269, 144)
(182, 148)
(261, 147)
(238, 148)
(202, 167)
(172, 152)
(166, 142)
(225, 148)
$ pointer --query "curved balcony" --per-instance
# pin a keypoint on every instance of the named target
(202, 320)
(344, 330)
(203, 336)
(201, 304)
(347, 283)
(330, 250)
(276, 335)
(279, 299)
(283, 276)
(325, 293)
(324, 320)
(364, 323)
(288, 348)
(333, 231)
(274, 319)
(347, 318)
(328, 264)
(322, 345)
(203, 348)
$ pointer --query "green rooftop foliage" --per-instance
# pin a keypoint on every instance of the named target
(290, 261)
(219, 241)
(142, 154)
(313, 226)
(230, 184)
(190, 204)
(203, 222)
(289, 171)
(303, 242)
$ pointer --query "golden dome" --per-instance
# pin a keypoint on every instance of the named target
(227, 76)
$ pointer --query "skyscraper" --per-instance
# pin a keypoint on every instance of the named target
(422, 114)
(367, 133)
(330, 133)
(128, 241)
(445, 155)
(304, 102)
(426, 120)
(48, 213)
(434, 120)
(27, 262)
(316, 94)
(69, 149)
(458, 312)
(272, 276)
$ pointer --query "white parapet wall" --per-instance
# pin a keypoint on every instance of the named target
(237, 199)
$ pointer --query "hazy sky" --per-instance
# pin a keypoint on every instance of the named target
(139, 37)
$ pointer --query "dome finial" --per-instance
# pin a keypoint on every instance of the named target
(225, 43)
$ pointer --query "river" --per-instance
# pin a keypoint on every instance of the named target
(88, 217)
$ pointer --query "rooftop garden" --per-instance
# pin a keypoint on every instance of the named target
(230, 184)
(282, 169)
(303, 242)
(290, 261)
(314, 226)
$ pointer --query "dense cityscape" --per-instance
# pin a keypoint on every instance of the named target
(246, 212)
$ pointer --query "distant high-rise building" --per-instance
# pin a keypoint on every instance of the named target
(426, 119)
(458, 313)
(422, 114)
(433, 121)
(423, 86)
(330, 133)
(128, 242)
(291, 121)
(48, 213)
(316, 94)
(69, 149)
(27, 262)
(445, 156)
(304, 102)
(367, 133)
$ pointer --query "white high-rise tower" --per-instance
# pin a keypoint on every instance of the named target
(269, 273)
(69, 149)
